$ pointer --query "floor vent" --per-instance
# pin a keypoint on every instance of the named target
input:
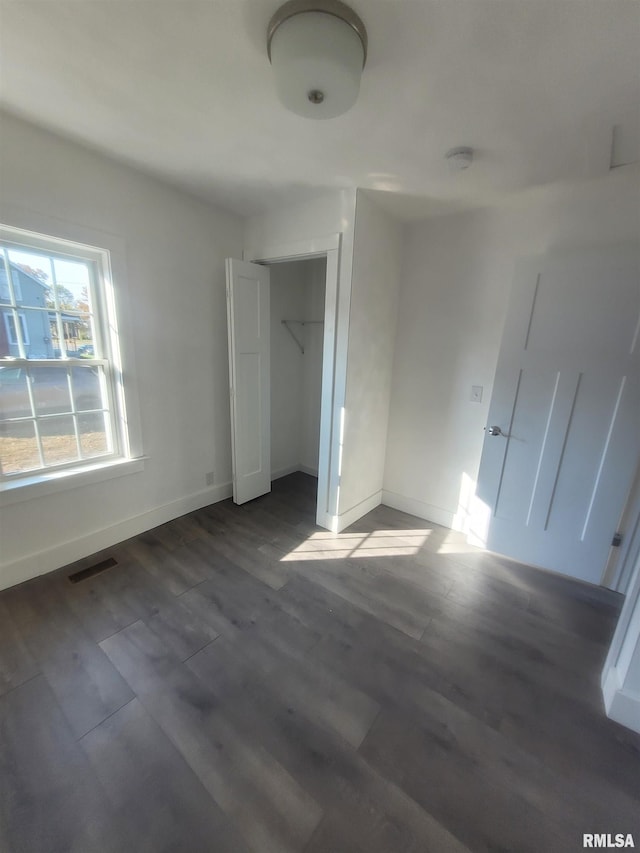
(83, 574)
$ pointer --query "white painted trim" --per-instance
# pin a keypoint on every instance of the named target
(48, 482)
(110, 249)
(284, 472)
(313, 472)
(610, 686)
(413, 506)
(295, 251)
(335, 342)
(41, 562)
(330, 401)
(340, 522)
(622, 705)
(293, 469)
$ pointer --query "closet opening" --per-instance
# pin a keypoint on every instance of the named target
(286, 316)
(297, 309)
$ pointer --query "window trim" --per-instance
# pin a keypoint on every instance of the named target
(35, 231)
(37, 484)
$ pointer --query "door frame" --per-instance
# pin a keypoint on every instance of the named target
(622, 560)
(333, 362)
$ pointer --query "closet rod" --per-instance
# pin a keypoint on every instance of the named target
(286, 323)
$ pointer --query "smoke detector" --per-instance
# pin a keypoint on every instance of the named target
(459, 158)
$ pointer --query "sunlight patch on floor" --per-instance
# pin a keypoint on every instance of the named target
(379, 543)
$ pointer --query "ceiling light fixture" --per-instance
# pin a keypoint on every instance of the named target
(459, 158)
(318, 49)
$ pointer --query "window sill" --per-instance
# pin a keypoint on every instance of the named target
(41, 484)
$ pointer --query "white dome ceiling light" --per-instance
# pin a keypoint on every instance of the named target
(318, 49)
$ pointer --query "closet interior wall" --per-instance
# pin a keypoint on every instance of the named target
(297, 294)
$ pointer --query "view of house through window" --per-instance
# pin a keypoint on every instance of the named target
(56, 368)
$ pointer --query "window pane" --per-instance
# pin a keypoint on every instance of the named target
(16, 277)
(86, 388)
(58, 440)
(93, 435)
(36, 334)
(18, 448)
(4, 287)
(30, 274)
(14, 394)
(77, 331)
(72, 281)
(50, 389)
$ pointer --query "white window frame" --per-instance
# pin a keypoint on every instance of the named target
(126, 453)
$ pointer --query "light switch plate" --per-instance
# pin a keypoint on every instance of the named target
(476, 394)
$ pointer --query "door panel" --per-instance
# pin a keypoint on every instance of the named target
(567, 400)
(249, 378)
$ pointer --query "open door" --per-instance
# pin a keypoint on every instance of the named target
(249, 378)
(563, 439)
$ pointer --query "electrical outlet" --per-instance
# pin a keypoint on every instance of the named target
(209, 478)
(476, 394)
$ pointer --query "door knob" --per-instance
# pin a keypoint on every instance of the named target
(495, 430)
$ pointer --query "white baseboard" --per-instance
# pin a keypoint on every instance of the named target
(339, 522)
(412, 506)
(610, 683)
(292, 469)
(621, 705)
(284, 472)
(42, 562)
(313, 472)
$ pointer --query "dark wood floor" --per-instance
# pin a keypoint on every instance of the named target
(242, 681)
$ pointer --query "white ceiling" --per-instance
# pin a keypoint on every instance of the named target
(183, 89)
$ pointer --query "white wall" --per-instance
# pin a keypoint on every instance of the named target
(374, 302)
(313, 336)
(455, 287)
(175, 325)
(329, 213)
(297, 293)
(287, 301)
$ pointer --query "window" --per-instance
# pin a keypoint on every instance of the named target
(10, 324)
(61, 401)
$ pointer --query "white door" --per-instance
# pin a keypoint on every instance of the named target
(563, 439)
(248, 324)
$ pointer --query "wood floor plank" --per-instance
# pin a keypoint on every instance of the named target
(560, 730)
(171, 572)
(49, 798)
(467, 800)
(152, 788)
(241, 680)
(312, 689)
(17, 664)
(272, 812)
(549, 659)
(85, 683)
(458, 744)
(360, 804)
(165, 613)
(392, 601)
